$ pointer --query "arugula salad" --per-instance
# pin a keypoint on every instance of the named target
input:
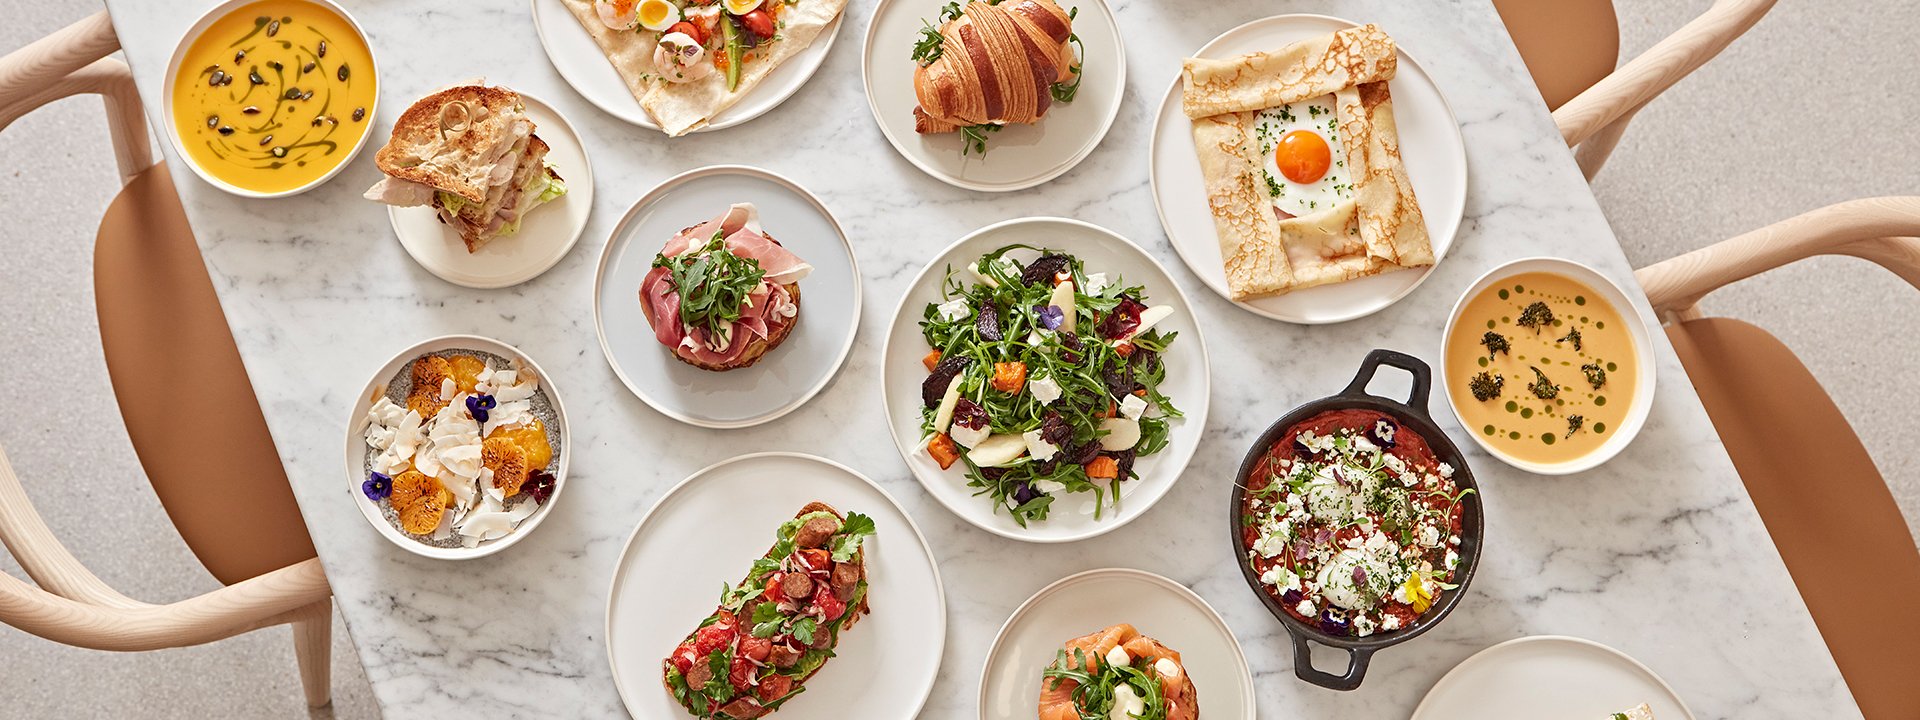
(1043, 378)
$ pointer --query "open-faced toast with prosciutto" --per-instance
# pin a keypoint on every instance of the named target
(723, 293)
(1117, 672)
(780, 625)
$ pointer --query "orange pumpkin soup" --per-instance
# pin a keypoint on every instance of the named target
(1542, 367)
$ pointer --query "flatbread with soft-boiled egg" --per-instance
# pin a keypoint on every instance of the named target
(1302, 163)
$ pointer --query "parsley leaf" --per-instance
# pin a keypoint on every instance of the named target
(855, 530)
(803, 630)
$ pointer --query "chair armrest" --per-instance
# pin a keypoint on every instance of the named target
(47, 60)
(231, 610)
(74, 61)
(1883, 230)
(1645, 77)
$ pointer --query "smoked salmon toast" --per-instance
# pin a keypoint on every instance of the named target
(1116, 670)
(779, 626)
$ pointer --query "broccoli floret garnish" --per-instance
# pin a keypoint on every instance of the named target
(1542, 387)
(1496, 344)
(1573, 336)
(1536, 316)
(1596, 376)
(1574, 423)
(1486, 386)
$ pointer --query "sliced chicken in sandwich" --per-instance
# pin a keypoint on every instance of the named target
(470, 152)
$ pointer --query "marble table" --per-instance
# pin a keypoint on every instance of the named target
(1659, 553)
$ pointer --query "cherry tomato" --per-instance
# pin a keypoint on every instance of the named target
(815, 558)
(740, 673)
(829, 604)
(756, 648)
(691, 30)
(774, 687)
(711, 638)
(773, 593)
(682, 658)
(759, 23)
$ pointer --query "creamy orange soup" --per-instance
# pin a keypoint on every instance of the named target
(274, 95)
(1564, 378)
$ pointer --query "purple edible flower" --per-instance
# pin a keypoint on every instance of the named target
(539, 486)
(478, 405)
(1333, 624)
(1024, 493)
(1359, 574)
(1050, 316)
(969, 414)
(1292, 597)
(377, 487)
(1382, 432)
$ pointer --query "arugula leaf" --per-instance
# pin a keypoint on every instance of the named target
(930, 46)
(713, 283)
(855, 530)
(976, 137)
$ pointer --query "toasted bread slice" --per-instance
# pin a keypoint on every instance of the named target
(474, 220)
(452, 140)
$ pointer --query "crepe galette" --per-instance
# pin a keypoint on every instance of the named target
(1302, 163)
(688, 60)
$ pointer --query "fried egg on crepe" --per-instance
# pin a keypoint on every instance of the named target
(1374, 226)
(682, 107)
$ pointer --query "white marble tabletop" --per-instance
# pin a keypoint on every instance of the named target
(1658, 553)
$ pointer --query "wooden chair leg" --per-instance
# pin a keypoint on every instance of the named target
(313, 648)
(1593, 153)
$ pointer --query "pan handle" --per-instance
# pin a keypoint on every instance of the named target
(1422, 375)
(1357, 659)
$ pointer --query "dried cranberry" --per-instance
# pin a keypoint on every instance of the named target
(1055, 430)
(987, 323)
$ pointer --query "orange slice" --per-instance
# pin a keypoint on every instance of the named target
(532, 439)
(508, 463)
(408, 488)
(466, 371)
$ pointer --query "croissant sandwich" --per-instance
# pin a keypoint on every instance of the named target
(994, 64)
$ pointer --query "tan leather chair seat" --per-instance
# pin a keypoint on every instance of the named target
(1568, 45)
(188, 404)
(1826, 506)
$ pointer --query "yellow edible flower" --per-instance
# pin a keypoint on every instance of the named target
(1417, 594)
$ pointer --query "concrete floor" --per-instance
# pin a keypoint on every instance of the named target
(1811, 108)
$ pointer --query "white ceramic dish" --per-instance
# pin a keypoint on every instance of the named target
(790, 374)
(547, 234)
(1548, 676)
(581, 63)
(1019, 156)
(1085, 602)
(357, 446)
(711, 527)
(1430, 142)
(173, 70)
(1642, 403)
(1187, 383)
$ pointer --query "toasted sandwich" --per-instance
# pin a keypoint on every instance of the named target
(470, 152)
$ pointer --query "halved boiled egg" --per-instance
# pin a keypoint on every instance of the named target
(742, 7)
(658, 15)
(1304, 166)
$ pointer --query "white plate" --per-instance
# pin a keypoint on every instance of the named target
(585, 67)
(545, 236)
(357, 446)
(1079, 604)
(711, 527)
(1187, 382)
(173, 71)
(1548, 676)
(788, 375)
(1430, 143)
(1642, 402)
(1020, 156)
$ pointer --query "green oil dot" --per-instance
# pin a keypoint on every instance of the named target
(1599, 400)
(1526, 412)
(1546, 438)
(1583, 319)
(1491, 324)
(1483, 362)
(1519, 288)
(1599, 427)
(1601, 325)
(1503, 294)
(1579, 299)
(1515, 435)
(1513, 406)
(1504, 320)
(1558, 401)
(1612, 367)
(1488, 430)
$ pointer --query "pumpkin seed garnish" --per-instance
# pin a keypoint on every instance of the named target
(307, 68)
(214, 79)
(239, 56)
(322, 51)
(265, 140)
(279, 152)
(251, 110)
(253, 74)
(359, 114)
(273, 28)
(213, 121)
(226, 129)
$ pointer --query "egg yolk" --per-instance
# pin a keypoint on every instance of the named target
(1303, 156)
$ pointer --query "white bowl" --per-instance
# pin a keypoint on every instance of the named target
(1642, 402)
(173, 71)
(357, 447)
(1188, 380)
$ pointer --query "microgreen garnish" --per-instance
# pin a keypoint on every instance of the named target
(1536, 316)
(1097, 680)
(713, 283)
(1542, 387)
(976, 137)
(1596, 375)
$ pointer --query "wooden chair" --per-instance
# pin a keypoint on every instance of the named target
(188, 406)
(1829, 511)
(1570, 47)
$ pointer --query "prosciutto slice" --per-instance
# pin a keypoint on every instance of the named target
(768, 307)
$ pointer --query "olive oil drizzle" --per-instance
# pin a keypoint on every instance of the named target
(254, 146)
